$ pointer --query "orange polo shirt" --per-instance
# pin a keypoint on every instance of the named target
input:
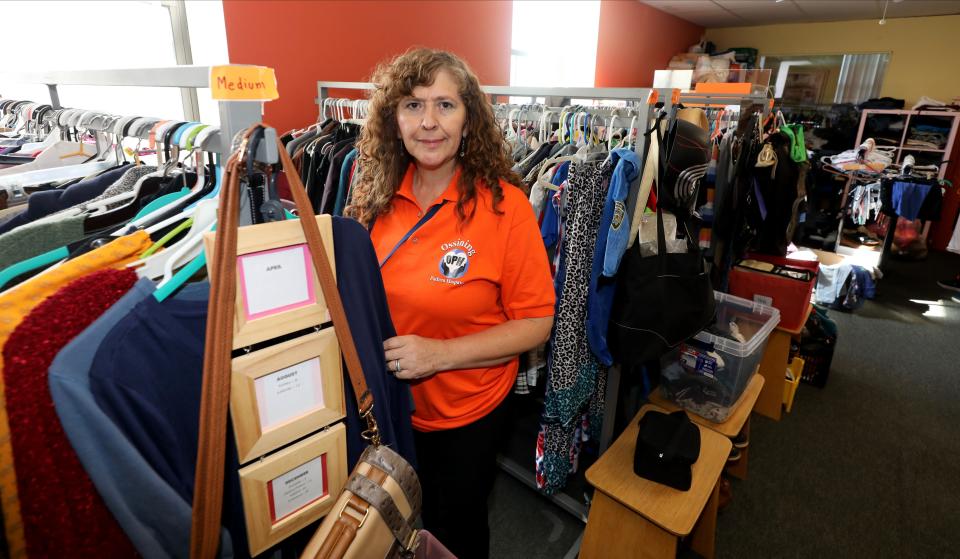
(448, 281)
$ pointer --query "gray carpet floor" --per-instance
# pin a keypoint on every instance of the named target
(868, 466)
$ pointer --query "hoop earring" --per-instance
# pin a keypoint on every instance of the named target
(463, 147)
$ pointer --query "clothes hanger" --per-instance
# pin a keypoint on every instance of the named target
(207, 140)
(161, 264)
(169, 286)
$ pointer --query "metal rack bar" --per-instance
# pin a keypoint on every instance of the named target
(640, 94)
(171, 76)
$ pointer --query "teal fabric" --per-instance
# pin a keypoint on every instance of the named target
(161, 202)
(30, 264)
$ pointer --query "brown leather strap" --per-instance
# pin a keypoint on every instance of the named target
(215, 391)
(338, 541)
(327, 284)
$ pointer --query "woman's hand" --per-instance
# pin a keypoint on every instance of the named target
(418, 357)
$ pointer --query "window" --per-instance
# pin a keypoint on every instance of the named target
(67, 41)
(538, 59)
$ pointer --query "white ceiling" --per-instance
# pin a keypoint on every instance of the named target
(732, 13)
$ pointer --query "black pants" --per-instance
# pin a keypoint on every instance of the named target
(456, 469)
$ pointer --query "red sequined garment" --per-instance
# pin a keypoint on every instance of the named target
(63, 515)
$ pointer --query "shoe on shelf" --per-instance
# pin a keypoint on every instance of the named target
(735, 455)
(741, 440)
(951, 284)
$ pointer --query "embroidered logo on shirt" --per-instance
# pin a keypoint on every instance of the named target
(454, 263)
(618, 212)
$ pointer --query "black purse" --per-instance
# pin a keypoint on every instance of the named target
(660, 300)
(667, 447)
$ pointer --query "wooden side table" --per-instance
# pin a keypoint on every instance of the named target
(737, 421)
(773, 367)
(634, 517)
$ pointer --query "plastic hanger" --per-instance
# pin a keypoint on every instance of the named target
(161, 264)
(163, 240)
(39, 261)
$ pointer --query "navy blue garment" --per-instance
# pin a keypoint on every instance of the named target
(46, 202)
(146, 376)
(550, 224)
(908, 198)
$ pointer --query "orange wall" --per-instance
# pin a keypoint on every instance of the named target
(635, 40)
(306, 41)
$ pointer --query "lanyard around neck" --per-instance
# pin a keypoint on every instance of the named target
(426, 217)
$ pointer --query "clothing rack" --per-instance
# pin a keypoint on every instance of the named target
(640, 97)
(235, 116)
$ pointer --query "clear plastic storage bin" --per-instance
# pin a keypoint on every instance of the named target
(708, 373)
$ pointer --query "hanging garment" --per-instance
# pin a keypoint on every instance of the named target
(574, 374)
(775, 195)
(908, 198)
(616, 228)
(56, 495)
(47, 202)
(332, 184)
(124, 184)
(130, 382)
(344, 184)
(622, 167)
(160, 417)
(154, 516)
(15, 304)
(550, 225)
(32, 239)
(539, 194)
(723, 188)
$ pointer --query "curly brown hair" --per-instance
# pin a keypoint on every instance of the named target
(486, 158)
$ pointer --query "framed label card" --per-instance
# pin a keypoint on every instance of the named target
(274, 281)
(277, 288)
(294, 487)
(286, 391)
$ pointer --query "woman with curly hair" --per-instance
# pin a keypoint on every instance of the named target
(465, 271)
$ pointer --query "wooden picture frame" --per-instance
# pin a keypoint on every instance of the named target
(277, 289)
(296, 486)
(286, 391)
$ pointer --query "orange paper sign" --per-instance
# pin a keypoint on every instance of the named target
(243, 83)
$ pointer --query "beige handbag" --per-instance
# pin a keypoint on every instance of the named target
(375, 515)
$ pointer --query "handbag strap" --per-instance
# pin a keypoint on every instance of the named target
(215, 395)
(426, 217)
